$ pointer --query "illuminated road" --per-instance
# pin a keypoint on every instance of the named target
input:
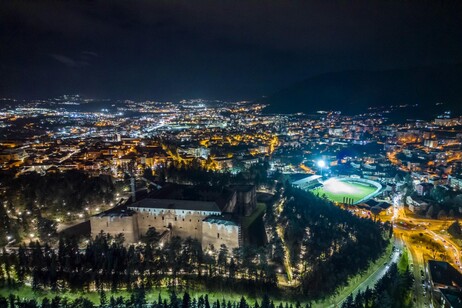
(287, 265)
(432, 227)
(416, 259)
(417, 266)
(370, 281)
(417, 234)
(280, 232)
(69, 156)
(451, 248)
(411, 228)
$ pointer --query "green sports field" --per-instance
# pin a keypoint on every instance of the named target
(336, 189)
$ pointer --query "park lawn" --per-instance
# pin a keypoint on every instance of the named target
(26, 292)
(151, 295)
(403, 263)
(359, 191)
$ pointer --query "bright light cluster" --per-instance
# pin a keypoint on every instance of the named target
(340, 187)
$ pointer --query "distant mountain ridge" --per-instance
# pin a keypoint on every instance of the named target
(353, 91)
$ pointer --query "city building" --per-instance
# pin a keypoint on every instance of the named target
(445, 284)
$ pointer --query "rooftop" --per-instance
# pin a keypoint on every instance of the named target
(220, 221)
(306, 179)
(116, 213)
(453, 297)
(173, 204)
(443, 273)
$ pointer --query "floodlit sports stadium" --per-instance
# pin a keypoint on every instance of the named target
(348, 190)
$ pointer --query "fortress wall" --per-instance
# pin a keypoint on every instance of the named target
(183, 223)
(217, 234)
(127, 225)
(230, 206)
(146, 221)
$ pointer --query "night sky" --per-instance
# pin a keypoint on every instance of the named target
(212, 49)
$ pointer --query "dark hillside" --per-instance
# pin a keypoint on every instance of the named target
(354, 91)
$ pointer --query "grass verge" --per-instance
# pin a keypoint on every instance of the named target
(356, 280)
(26, 292)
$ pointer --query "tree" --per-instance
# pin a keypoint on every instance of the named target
(151, 236)
(5, 226)
(46, 229)
(442, 214)
(119, 239)
(186, 300)
(173, 300)
(439, 194)
(305, 220)
(348, 302)
(3, 302)
(430, 211)
(265, 303)
(140, 296)
(147, 174)
(408, 185)
(375, 210)
(82, 302)
(384, 300)
(13, 300)
(223, 257)
(455, 230)
(278, 254)
(102, 298)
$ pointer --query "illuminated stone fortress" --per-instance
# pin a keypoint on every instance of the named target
(209, 215)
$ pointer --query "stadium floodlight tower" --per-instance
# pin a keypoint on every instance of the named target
(321, 164)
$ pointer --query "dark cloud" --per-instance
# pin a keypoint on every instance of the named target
(89, 53)
(229, 49)
(68, 61)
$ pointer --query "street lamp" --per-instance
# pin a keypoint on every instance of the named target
(321, 164)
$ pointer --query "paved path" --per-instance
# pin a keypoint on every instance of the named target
(379, 273)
